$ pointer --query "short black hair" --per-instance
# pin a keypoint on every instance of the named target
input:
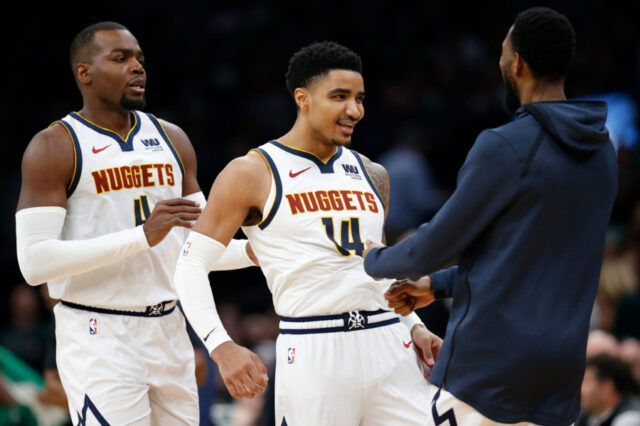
(607, 367)
(82, 41)
(318, 59)
(545, 39)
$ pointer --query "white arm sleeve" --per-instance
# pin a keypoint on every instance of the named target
(235, 256)
(411, 320)
(42, 256)
(199, 256)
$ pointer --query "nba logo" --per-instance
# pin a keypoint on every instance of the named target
(291, 356)
(187, 246)
(93, 326)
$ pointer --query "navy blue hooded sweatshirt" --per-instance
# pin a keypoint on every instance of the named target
(527, 221)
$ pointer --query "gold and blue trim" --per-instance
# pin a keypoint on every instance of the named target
(276, 178)
(125, 144)
(324, 166)
(167, 140)
(77, 157)
(366, 175)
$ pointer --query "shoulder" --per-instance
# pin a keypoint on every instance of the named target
(50, 147)
(379, 176)
(373, 168)
(177, 136)
(253, 173)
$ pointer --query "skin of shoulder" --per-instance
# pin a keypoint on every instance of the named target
(187, 154)
(47, 169)
(240, 190)
(380, 178)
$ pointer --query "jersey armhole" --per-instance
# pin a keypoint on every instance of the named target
(167, 140)
(77, 157)
(366, 175)
(275, 193)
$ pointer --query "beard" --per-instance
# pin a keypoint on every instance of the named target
(130, 104)
(512, 96)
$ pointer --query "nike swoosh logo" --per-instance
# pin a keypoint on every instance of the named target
(406, 345)
(209, 334)
(291, 174)
(95, 151)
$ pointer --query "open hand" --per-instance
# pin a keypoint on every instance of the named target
(426, 344)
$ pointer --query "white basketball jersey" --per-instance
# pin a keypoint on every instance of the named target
(315, 222)
(115, 186)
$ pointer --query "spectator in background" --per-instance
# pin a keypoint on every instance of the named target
(608, 394)
(600, 342)
(415, 196)
(630, 353)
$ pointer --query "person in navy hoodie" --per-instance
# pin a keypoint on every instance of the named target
(527, 226)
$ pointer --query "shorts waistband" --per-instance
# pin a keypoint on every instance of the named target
(348, 321)
(159, 310)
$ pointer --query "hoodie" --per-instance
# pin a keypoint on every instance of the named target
(527, 222)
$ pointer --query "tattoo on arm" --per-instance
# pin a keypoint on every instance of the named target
(380, 179)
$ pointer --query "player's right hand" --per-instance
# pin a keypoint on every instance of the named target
(405, 296)
(169, 213)
(244, 375)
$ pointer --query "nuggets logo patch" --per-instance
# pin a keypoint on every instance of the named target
(93, 326)
(291, 355)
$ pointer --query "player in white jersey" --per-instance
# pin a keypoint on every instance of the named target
(101, 219)
(307, 204)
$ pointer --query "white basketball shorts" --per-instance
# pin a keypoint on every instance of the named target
(122, 369)
(354, 369)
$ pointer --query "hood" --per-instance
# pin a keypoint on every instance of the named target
(578, 125)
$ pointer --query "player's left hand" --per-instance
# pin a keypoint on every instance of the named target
(405, 296)
(426, 344)
(371, 245)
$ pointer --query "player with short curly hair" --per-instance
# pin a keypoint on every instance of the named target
(307, 203)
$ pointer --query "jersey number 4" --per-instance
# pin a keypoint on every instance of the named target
(141, 210)
(349, 235)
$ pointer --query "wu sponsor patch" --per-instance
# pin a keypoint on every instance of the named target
(351, 171)
(93, 326)
(291, 355)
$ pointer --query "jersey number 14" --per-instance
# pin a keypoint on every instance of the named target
(349, 235)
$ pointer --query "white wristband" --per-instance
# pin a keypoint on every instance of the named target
(198, 256)
(42, 256)
(234, 257)
(411, 320)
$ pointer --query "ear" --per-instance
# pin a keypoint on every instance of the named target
(518, 66)
(302, 98)
(82, 74)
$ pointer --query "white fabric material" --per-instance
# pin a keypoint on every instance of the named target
(316, 212)
(197, 197)
(234, 257)
(119, 183)
(135, 370)
(411, 320)
(42, 256)
(448, 405)
(366, 378)
(198, 257)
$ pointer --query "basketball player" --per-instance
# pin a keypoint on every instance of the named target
(307, 203)
(97, 219)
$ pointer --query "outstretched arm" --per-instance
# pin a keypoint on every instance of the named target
(230, 206)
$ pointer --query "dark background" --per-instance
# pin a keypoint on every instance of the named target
(217, 70)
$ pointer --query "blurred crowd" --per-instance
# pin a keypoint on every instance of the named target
(432, 81)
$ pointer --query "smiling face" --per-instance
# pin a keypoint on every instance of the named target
(114, 72)
(333, 105)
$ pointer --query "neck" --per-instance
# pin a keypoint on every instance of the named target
(536, 91)
(115, 119)
(303, 137)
